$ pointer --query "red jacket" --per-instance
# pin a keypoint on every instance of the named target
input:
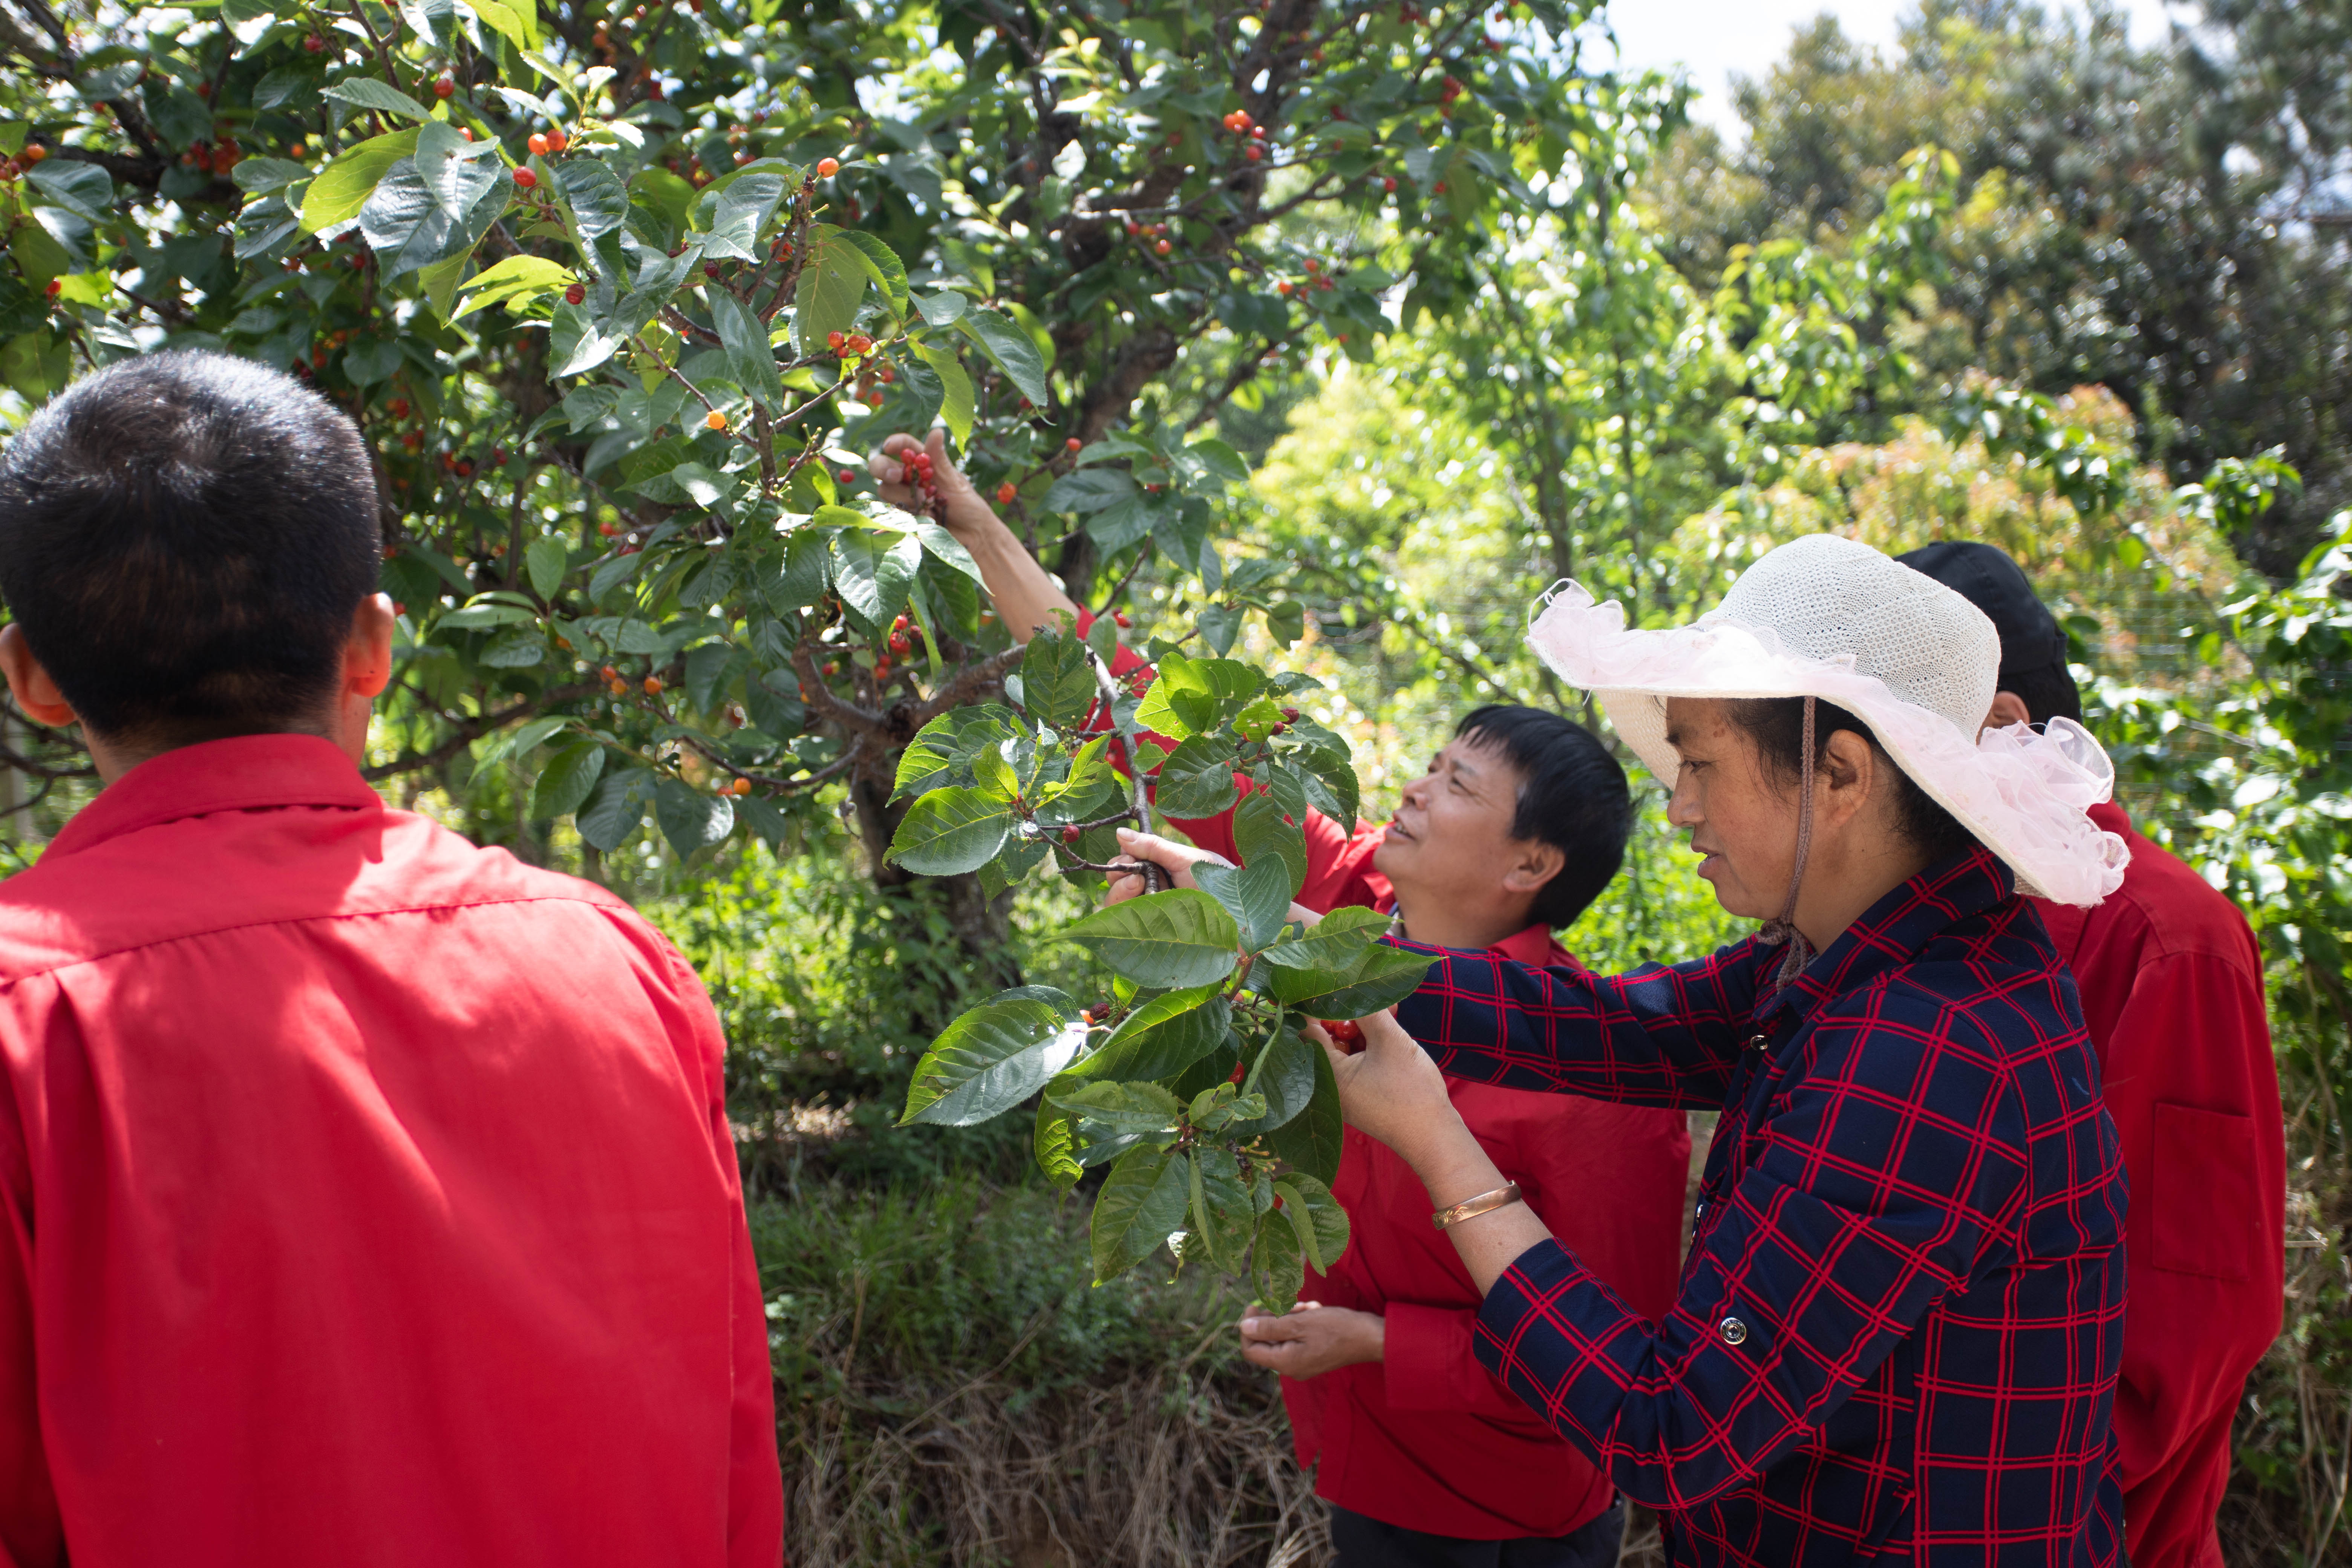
(2171, 983)
(368, 1198)
(1427, 1439)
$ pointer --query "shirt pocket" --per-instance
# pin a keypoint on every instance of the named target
(2207, 1217)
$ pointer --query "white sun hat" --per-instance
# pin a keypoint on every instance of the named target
(1830, 618)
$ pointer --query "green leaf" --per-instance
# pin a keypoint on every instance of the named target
(956, 406)
(1192, 696)
(516, 23)
(1335, 945)
(952, 831)
(690, 819)
(1056, 1145)
(871, 577)
(1331, 783)
(1121, 1109)
(597, 200)
(1316, 1216)
(343, 186)
(942, 308)
(457, 173)
(742, 208)
(566, 780)
(1090, 489)
(1197, 779)
(1310, 1140)
(517, 741)
(366, 92)
(1013, 350)
(1283, 1073)
(748, 354)
(1260, 832)
(259, 176)
(616, 807)
(832, 282)
(1058, 682)
(1258, 896)
(512, 281)
(883, 266)
(941, 751)
(546, 560)
(1162, 1037)
(992, 1058)
(1385, 977)
(1277, 1268)
(1179, 938)
(1141, 1203)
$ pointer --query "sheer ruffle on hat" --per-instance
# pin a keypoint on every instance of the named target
(1830, 619)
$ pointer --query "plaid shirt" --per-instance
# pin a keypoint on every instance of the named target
(1900, 1322)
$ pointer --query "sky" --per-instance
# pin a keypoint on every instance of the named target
(1718, 39)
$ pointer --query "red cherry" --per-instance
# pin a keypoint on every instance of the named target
(899, 644)
(835, 340)
(1345, 1033)
(398, 407)
(314, 43)
(1285, 287)
(710, 269)
(444, 86)
(1290, 715)
(1387, 184)
(556, 139)
(55, 288)
(538, 144)
(1120, 618)
(860, 344)
(826, 168)
(1005, 492)
(525, 178)
(33, 153)
(1072, 445)
(1253, 153)
(1238, 1074)
(608, 672)
(574, 294)
(1161, 248)
(1071, 835)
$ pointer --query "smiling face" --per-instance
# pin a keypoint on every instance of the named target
(1449, 849)
(1740, 818)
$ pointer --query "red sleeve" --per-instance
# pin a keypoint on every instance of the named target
(755, 1483)
(2190, 1082)
(30, 1529)
(1428, 1362)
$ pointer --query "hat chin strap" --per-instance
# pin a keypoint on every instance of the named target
(1784, 928)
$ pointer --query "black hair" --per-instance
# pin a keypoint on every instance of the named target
(1572, 796)
(2048, 692)
(1777, 725)
(184, 539)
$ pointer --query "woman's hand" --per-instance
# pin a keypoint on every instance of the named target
(1391, 1090)
(963, 506)
(1313, 1338)
(1176, 859)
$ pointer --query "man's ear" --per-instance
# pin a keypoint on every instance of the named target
(2008, 707)
(36, 693)
(367, 657)
(1534, 863)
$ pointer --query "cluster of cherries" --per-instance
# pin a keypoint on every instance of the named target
(1240, 123)
(922, 480)
(12, 167)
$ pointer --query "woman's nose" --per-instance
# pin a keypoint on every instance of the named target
(1682, 806)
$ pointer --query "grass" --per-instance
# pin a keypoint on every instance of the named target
(953, 1388)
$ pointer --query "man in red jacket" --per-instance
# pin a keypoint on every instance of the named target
(365, 1198)
(2172, 984)
(1425, 1457)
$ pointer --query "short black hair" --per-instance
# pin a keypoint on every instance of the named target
(1572, 796)
(184, 539)
(1777, 725)
(2032, 645)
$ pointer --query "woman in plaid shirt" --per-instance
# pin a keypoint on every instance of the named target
(1898, 1329)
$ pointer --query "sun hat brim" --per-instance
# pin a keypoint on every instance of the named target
(2024, 795)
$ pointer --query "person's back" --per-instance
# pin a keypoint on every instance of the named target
(370, 1197)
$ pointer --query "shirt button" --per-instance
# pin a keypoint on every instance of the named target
(1733, 1331)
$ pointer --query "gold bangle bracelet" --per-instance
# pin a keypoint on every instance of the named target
(1471, 1208)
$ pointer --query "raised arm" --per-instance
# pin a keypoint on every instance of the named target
(1026, 595)
(1659, 1035)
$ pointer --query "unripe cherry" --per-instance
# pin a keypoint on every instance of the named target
(715, 420)
(33, 153)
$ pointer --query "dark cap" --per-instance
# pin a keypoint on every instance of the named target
(2030, 635)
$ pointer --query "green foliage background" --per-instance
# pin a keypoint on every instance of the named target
(2016, 278)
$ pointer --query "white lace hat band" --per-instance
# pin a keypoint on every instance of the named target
(1828, 617)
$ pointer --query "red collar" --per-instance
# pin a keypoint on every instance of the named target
(2111, 817)
(245, 772)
